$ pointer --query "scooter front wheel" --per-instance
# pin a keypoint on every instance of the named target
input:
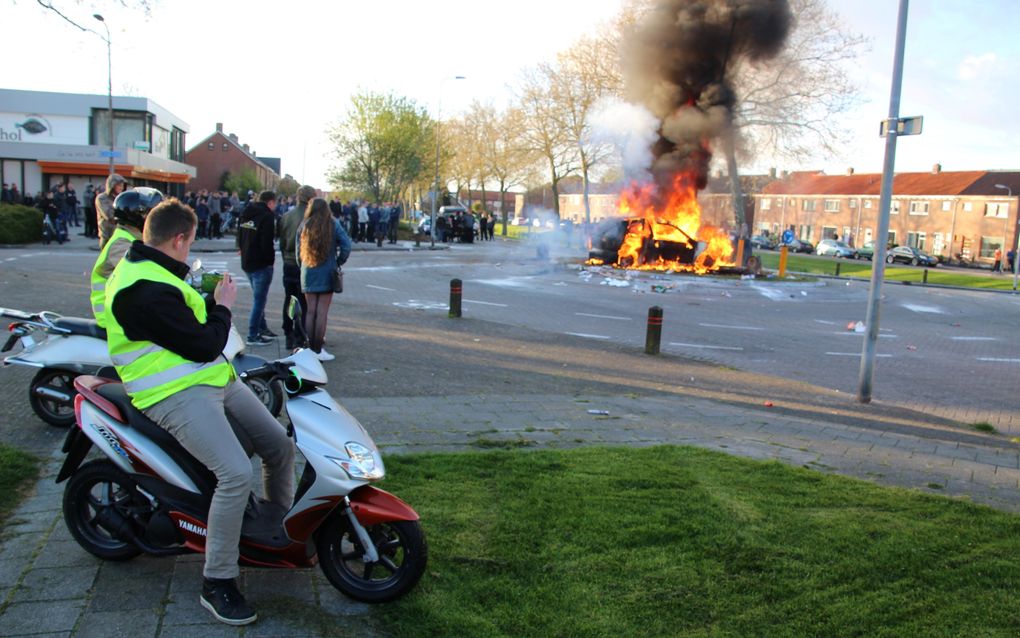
(98, 497)
(270, 394)
(402, 550)
(46, 395)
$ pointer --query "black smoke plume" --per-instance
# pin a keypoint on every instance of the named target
(677, 62)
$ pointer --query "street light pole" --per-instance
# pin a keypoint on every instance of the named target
(1016, 249)
(109, 83)
(435, 192)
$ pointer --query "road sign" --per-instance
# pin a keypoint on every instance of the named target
(787, 236)
(110, 154)
(904, 126)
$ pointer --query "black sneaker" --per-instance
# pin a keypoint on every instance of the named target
(221, 597)
(269, 333)
(255, 342)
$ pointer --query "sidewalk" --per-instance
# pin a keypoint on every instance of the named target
(51, 587)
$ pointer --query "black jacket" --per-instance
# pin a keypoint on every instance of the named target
(255, 237)
(157, 312)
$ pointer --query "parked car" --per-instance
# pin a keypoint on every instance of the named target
(867, 251)
(912, 256)
(762, 242)
(801, 246)
(836, 248)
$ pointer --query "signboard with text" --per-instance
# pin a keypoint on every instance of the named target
(36, 128)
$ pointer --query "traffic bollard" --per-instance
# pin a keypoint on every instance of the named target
(925, 280)
(654, 336)
(455, 294)
(740, 253)
(783, 252)
(837, 268)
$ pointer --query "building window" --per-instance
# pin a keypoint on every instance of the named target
(895, 208)
(766, 203)
(867, 235)
(997, 209)
(938, 244)
(809, 205)
(892, 238)
(212, 146)
(947, 205)
(917, 240)
(968, 206)
(804, 232)
(852, 202)
(829, 232)
(918, 208)
(832, 205)
(989, 246)
(225, 147)
(867, 203)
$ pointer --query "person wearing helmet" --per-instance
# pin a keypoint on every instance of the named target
(129, 211)
(115, 185)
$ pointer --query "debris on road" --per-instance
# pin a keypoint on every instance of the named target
(768, 404)
(599, 412)
(856, 326)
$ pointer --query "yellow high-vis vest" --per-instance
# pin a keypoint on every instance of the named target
(98, 295)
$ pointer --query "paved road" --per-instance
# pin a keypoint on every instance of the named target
(420, 381)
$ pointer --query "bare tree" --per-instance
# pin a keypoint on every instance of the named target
(585, 74)
(144, 5)
(542, 132)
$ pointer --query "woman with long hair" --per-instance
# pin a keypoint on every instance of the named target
(323, 244)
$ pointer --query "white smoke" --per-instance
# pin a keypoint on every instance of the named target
(632, 129)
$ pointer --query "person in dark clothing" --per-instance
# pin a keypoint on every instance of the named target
(202, 212)
(89, 208)
(394, 222)
(286, 231)
(255, 241)
(492, 227)
(52, 222)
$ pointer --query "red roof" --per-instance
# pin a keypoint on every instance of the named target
(943, 183)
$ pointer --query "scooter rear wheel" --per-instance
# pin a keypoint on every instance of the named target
(402, 550)
(54, 411)
(95, 489)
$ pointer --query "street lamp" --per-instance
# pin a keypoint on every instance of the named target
(1016, 250)
(435, 193)
(109, 83)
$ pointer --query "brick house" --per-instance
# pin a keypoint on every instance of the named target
(961, 213)
(220, 153)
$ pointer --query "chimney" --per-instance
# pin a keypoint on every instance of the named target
(233, 138)
(219, 127)
(772, 173)
(245, 147)
(936, 169)
(253, 153)
(850, 170)
(786, 174)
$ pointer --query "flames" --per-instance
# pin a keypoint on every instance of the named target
(666, 233)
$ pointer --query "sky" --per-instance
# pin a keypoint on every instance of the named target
(279, 74)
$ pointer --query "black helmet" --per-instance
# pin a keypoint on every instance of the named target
(133, 205)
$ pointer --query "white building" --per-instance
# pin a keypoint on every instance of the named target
(49, 138)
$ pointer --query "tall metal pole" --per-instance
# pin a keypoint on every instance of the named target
(885, 199)
(435, 192)
(109, 83)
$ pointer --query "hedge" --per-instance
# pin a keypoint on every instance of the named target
(20, 224)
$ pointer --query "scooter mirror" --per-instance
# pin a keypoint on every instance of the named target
(294, 310)
(196, 265)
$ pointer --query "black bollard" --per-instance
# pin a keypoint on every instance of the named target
(654, 335)
(837, 269)
(455, 293)
(925, 276)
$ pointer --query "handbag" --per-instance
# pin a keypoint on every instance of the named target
(338, 279)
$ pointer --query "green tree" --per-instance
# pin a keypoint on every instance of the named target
(287, 187)
(242, 182)
(384, 145)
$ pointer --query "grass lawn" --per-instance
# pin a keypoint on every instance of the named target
(862, 268)
(675, 541)
(18, 471)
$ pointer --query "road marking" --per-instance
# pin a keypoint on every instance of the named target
(698, 345)
(10, 259)
(719, 325)
(486, 303)
(828, 323)
(852, 354)
(929, 309)
(380, 287)
(588, 336)
(858, 334)
(973, 338)
(585, 314)
(997, 360)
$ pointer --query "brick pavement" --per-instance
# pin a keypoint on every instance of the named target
(51, 587)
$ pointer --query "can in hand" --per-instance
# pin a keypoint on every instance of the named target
(209, 281)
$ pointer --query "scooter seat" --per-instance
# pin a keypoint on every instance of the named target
(115, 393)
(80, 326)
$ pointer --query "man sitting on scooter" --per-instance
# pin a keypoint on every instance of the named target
(129, 209)
(167, 342)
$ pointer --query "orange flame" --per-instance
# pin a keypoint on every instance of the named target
(678, 221)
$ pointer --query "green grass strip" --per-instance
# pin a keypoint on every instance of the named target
(18, 471)
(674, 541)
